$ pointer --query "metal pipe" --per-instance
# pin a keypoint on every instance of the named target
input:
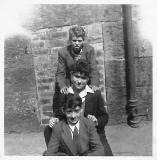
(132, 111)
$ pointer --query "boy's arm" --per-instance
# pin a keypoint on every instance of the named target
(96, 147)
(61, 71)
(53, 146)
(94, 76)
(102, 115)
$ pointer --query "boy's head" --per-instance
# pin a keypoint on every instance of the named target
(80, 74)
(76, 38)
(72, 108)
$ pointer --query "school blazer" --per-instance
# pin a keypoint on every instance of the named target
(94, 105)
(66, 61)
(61, 141)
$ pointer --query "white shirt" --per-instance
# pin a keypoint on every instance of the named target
(72, 127)
(83, 93)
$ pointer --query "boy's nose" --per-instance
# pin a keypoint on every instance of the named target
(77, 42)
(73, 115)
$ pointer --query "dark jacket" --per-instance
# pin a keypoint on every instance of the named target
(61, 143)
(94, 105)
(66, 60)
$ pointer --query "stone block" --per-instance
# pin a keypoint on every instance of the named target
(94, 33)
(144, 95)
(56, 43)
(136, 14)
(41, 51)
(19, 79)
(116, 96)
(113, 40)
(117, 113)
(97, 46)
(111, 12)
(142, 44)
(115, 73)
(55, 34)
(143, 71)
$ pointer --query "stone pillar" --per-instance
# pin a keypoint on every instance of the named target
(131, 107)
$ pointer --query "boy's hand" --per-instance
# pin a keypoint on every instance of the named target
(53, 121)
(94, 88)
(93, 118)
(64, 90)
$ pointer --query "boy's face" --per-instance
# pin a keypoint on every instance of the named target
(79, 80)
(73, 114)
(77, 43)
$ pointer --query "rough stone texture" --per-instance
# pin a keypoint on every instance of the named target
(24, 73)
(45, 44)
(19, 85)
(115, 73)
(143, 71)
(49, 15)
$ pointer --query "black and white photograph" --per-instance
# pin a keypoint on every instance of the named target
(78, 79)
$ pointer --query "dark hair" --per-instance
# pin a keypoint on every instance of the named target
(81, 66)
(76, 31)
(72, 101)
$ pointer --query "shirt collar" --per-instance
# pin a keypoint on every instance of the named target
(83, 93)
(87, 89)
(73, 126)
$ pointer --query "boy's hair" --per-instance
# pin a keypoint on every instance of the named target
(77, 31)
(81, 66)
(72, 101)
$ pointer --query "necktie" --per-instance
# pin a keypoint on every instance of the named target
(76, 140)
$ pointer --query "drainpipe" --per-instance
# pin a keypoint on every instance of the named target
(133, 118)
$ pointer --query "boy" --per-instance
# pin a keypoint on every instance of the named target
(74, 135)
(92, 104)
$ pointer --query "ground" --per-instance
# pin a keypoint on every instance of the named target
(124, 141)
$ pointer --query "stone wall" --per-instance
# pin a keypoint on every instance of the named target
(20, 111)
(50, 25)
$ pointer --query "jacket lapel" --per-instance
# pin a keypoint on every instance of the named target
(83, 134)
(66, 135)
(88, 103)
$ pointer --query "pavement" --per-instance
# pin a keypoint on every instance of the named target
(124, 141)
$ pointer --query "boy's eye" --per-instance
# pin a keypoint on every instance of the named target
(77, 40)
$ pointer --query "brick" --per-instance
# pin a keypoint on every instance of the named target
(42, 88)
(56, 35)
(41, 51)
(49, 114)
(47, 108)
(46, 80)
(45, 101)
(45, 121)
